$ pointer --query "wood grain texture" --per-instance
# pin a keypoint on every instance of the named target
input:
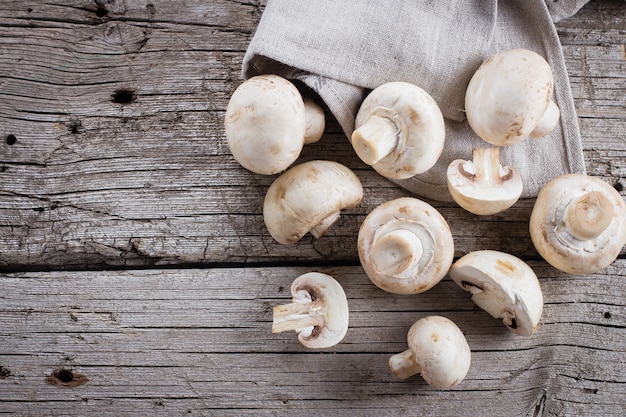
(138, 277)
(92, 182)
(199, 342)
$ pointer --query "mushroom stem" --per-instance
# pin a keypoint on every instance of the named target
(403, 365)
(375, 139)
(589, 216)
(293, 316)
(486, 163)
(548, 121)
(396, 252)
(319, 229)
(315, 121)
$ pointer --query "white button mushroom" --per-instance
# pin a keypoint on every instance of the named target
(437, 350)
(509, 98)
(309, 198)
(483, 186)
(502, 285)
(399, 130)
(318, 313)
(405, 246)
(315, 121)
(578, 223)
(266, 124)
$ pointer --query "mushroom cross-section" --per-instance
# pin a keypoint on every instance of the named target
(578, 223)
(483, 186)
(318, 312)
(266, 124)
(309, 198)
(508, 98)
(502, 285)
(437, 350)
(400, 130)
(405, 246)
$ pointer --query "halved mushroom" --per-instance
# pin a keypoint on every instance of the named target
(318, 313)
(502, 285)
(266, 124)
(405, 246)
(578, 223)
(399, 130)
(437, 350)
(483, 186)
(509, 98)
(309, 198)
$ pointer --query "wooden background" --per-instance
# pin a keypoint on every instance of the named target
(137, 277)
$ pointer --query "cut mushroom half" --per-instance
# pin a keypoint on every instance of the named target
(482, 186)
(437, 350)
(268, 122)
(318, 311)
(578, 223)
(405, 246)
(502, 285)
(508, 98)
(399, 130)
(309, 198)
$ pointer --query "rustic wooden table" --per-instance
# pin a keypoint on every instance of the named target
(137, 275)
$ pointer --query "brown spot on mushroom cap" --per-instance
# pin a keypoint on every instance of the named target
(308, 198)
(505, 267)
(265, 124)
(508, 96)
(420, 130)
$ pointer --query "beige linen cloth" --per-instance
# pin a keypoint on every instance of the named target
(342, 49)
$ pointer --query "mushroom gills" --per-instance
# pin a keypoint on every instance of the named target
(318, 311)
(494, 299)
(483, 186)
(503, 286)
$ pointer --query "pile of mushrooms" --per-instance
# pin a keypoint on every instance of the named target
(405, 246)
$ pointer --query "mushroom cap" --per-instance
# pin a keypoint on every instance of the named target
(508, 95)
(330, 305)
(484, 187)
(502, 285)
(391, 264)
(440, 350)
(553, 238)
(418, 125)
(309, 197)
(265, 124)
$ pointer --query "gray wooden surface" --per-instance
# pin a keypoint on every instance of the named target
(138, 278)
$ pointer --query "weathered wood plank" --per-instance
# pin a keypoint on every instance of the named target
(90, 182)
(168, 342)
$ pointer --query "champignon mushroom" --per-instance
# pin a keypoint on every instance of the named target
(315, 121)
(399, 130)
(405, 246)
(309, 198)
(502, 285)
(318, 313)
(265, 124)
(509, 98)
(437, 350)
(578, 223)
(483, 186)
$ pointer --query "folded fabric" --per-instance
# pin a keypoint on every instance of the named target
(344, 49)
